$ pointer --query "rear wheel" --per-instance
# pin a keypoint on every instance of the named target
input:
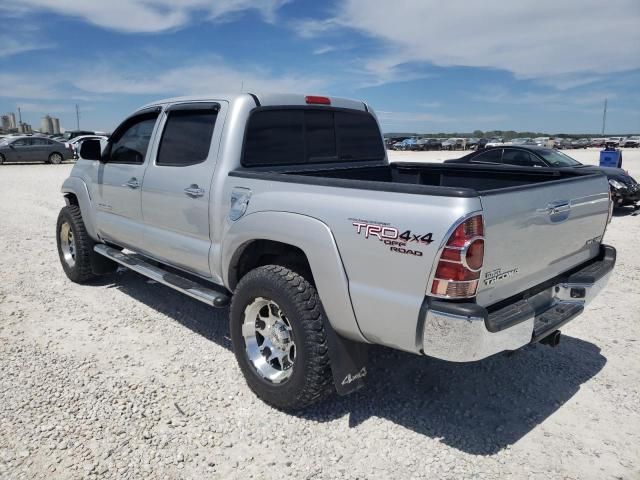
(277, 330)
(75, 247)
(55, 158)
(1, 159)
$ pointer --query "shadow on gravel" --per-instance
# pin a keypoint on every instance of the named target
(625, 211)
(479, 408)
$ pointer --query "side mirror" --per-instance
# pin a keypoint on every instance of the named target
(90, 150)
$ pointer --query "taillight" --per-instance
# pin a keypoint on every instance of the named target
(314, 99)
(460, 262)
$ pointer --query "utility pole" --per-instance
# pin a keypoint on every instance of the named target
(604, 116)
(19, 116)
(77, 117)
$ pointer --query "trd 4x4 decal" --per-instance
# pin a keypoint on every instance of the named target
(397, 241)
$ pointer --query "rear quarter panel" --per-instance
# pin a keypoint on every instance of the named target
(386, 286)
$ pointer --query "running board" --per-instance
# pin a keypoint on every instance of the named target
(188, 287)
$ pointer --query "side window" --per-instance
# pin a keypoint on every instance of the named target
(520, 158)
(38, 142)
(187, 137)
(131, 140)
(490, 156)
(23, 142)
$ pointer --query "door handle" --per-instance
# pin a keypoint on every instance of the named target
(555, 208)
(194, 190)
(132, 183)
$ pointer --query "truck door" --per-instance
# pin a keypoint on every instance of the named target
(119, 178)
(176, 191)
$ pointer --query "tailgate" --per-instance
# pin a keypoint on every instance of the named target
(536, 232)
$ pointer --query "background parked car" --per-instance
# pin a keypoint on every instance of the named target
(580, 143)
(75, 143)
(625, 190)
(631, 142)
(562, 143)
(33, 149)
(433, 144)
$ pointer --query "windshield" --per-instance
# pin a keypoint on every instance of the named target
(558, 159)
(67, 135)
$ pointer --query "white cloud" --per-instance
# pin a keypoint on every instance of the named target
(545, 39)
(146, 16)
(11, 46)
(201, 77)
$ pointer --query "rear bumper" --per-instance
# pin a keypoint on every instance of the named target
(464, 332)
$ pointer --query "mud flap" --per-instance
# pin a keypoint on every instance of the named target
(348, 362)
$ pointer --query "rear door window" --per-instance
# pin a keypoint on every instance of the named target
(520, 158)
(187, 137)
(490, 156)
(296, 136)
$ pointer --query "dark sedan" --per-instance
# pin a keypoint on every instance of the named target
(33, 149)
(624, 189)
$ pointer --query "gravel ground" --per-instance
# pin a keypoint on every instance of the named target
(123, 378)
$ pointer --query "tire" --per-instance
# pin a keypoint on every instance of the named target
(75, 251)
(308, 379)
(1, 159)
(55, 158)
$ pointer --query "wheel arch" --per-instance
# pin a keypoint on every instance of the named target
(303, 239)
(75, 192)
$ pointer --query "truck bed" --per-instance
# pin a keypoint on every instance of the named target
(419, 178)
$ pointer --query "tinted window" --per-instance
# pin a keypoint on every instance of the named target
(320, 136)
(38, 141)
(519, 158)
(131, 141)
(298, 136)
(22, 142)
(187, 137)
(275, 137)
(358, 137)
(490, 156)
(558, 159)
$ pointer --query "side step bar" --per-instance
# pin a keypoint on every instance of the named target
(188, 287)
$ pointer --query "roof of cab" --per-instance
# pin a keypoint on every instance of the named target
(265, 99)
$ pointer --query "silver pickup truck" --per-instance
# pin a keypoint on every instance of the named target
(286, 207)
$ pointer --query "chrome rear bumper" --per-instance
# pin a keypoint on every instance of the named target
(461, 332)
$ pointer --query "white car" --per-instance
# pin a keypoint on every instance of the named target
(74, 143)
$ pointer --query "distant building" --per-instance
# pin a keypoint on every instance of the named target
(6, 122)
(46, 125)
(25, 128)
(56, 125)
(12, 120)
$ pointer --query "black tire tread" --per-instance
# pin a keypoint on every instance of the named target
(318, 382)
(81, 272)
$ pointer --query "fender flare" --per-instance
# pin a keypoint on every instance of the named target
(315, 239)
(78, 187)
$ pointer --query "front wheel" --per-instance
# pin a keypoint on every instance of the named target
(1, 159)
(75, 247)
(277, 330)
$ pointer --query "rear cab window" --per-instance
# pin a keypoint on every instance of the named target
(307, 135)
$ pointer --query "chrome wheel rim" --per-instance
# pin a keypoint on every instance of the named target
(67, 244)
(56, 158)
(268, 339)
